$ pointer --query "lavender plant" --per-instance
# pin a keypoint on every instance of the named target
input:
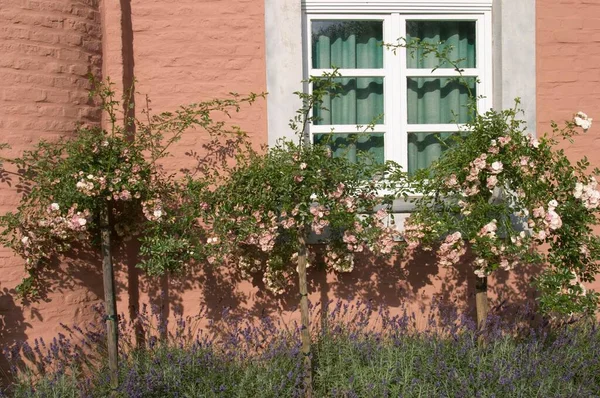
(353, 357)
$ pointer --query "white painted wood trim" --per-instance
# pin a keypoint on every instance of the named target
(351, 72)
(346, 129)
(395, 144)
(401, 6)
(395, 74)
(442, 72)
(484, 63)
(435, 128)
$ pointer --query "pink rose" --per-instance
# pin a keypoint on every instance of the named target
(504, 140)
(496, 167)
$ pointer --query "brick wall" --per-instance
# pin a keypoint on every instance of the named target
(183, 52)
(46, 50)
(568, 65)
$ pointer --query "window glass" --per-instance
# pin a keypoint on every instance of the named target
(347, 44)
(429, 106)
(439, 100)
(425, 148)
(459, 35)
(357, 100)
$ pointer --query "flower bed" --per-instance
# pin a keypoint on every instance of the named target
(352, 357)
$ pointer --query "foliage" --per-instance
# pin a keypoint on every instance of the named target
(70, 181)
(352, 359)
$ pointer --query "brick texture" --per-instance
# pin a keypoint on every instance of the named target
(184, 52)
(568, 65)
(46, 50)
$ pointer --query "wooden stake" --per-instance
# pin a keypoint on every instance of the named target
(110, 303)
(304, 317)
(481, 302)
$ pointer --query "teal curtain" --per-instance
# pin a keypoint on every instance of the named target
(438, 100)
(350, 45)
(347, 44)
(359, 100)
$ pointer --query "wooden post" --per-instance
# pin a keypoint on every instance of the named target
(304, 317)
(481, 301)
(110, 303)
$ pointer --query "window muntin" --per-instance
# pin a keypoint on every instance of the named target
(417, 101)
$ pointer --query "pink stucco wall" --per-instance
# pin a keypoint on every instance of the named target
(568, 71)
(186, 51)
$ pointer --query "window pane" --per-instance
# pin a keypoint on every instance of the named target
(347, 44)
(459, 35)
(425, 148)
(439, 100)
(357, 100)
(354, 146)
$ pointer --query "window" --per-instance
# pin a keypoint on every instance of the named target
(416, 108)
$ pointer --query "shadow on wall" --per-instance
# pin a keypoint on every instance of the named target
(412, 284)
(416, 284)
(12, 327)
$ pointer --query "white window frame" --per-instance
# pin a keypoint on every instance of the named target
(395, 71)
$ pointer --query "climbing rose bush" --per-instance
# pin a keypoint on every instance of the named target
(70, 181)
(513, 201)
(296, 191)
